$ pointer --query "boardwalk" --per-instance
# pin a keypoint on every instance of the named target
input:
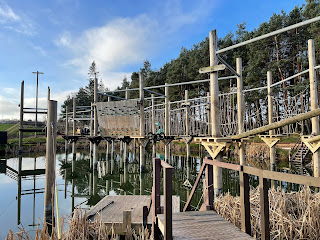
(202, 225)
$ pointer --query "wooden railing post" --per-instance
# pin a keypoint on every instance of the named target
(208, 189)
(245, 201)
(167, 191)
(156, 197)
(264, 208)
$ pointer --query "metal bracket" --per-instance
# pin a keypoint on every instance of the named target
(214, 148)
(95, 139)
(312, 145)
(270, 140)
(167, 140)
(143, 141)
(188, 139)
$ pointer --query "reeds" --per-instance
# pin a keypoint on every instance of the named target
(293, 215)
(79, 228)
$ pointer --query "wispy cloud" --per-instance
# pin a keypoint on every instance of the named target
(10, 20)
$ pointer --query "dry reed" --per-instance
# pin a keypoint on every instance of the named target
(293, 215)
(79, 228)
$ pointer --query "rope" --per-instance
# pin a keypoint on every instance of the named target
(7, 207)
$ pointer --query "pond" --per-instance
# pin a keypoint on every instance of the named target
(22, 197)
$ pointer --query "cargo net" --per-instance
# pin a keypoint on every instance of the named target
(118, 118)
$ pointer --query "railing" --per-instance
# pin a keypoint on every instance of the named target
(167, 192)
(293, 151)
(244, 172)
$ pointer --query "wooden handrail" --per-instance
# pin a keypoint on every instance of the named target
(263, 175)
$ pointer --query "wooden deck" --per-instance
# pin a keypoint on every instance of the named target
(112, 210)
(202, 225)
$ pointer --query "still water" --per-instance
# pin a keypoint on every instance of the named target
(22, 198)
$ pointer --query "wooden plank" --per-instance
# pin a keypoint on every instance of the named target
(215, 68)
(202, 225)
(231, 166)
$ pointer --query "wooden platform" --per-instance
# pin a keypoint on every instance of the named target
(202, 225)
(111, 210)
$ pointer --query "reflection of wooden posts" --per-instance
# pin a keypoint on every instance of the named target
(112, 156)
(21, 116)
(270, 119)
(240, 104)
(50, 161)
(19, 188)
(214, 108)
(166, 120)
(95, 123)
(142, 121)
(314, 103)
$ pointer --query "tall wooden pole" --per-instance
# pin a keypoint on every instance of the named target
(95, 123)
(166, 120)
(21, 117)
(186, 98)
(142, 123)
(74, 125)
(66, 130)
(91, 135)
(240, 104)
(214, 108)
(270, 119)
(154, 144)
(51, 149)
(314, 103)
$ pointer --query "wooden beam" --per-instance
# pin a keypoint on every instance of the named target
(210, 69)
(284, 122)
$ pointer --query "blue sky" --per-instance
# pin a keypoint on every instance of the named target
(62, 37)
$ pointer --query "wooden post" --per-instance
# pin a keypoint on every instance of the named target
(91, 135)
(208, 113)
(245, 202)
(142, 121)
(153, 129)
(21, 117)
(95, 123)
(156, 196)
(208, 189)
(127, 94)
(314, 103)
(241, 109)
(48, 93)
(66, 130)
(166, 121)
(112, 156)
(126, 220)
(186, 98)
(214, 108)
(50, 162)
(74, 125)
(264, 206)
(270, 119)
(167, 192)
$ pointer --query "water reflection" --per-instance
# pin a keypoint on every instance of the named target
(79, 184)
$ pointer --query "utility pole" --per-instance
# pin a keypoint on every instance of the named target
(37, 72)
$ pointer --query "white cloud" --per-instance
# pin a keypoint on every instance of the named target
(14, 22)
(8, 109)
(7, 14)
(124, 42)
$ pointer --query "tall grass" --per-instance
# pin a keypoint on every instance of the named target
(78, 228)
(293, 215)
